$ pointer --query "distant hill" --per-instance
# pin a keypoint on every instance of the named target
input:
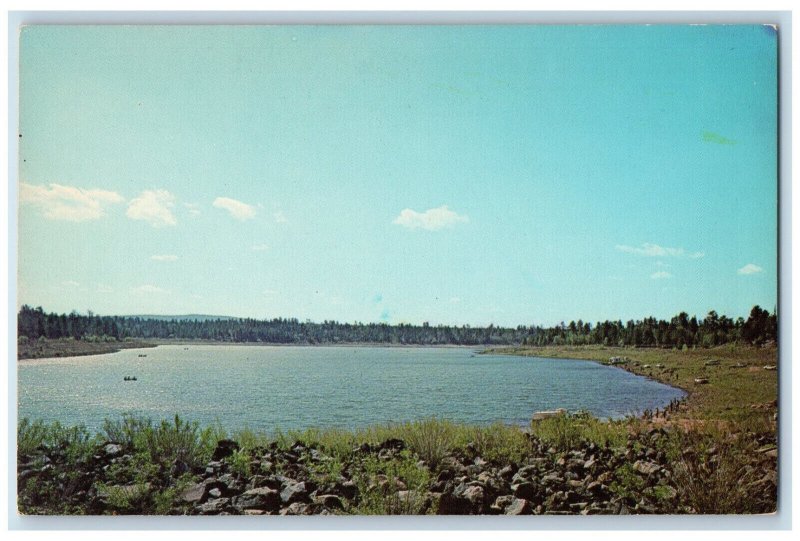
(186, 317)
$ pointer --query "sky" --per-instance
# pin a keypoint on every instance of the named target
(512, 175)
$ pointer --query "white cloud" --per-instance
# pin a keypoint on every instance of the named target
(237, 209)
(147, 288)
(750, 268)
(660, 275)
(67, 202)
(70, 283)
(260, 247)
(654, 250)
(280, 217)
(164, 257)
(431, 219)
(193, 208)
(153, 207)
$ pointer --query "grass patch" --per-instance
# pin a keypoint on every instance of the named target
(566, 431)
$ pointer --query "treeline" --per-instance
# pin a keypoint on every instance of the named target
(680, 331)
(713, 330)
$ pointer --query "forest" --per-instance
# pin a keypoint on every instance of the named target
(680, 331)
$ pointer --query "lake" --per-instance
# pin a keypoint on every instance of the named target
(277, 387)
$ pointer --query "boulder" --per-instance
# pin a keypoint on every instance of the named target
(524, 490)
(194, 494)
(263, 498)
(112, 450)
(224, 449)
(330, 501)
(213, 507)
(449, 504)
(294, 492)
(646, 468)
(348, 489)
(519, 506)
(296, 508)
(507, 472)
(547, 414)
(501, 503)
(475, 494)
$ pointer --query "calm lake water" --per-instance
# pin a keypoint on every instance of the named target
(266, 388)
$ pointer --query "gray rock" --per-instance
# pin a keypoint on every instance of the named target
(449, 504)
(194, 494)
(232, 484)
(646, 468)
(526, 491)
(474, 494)
(519, 506)
(501, 502)
(296, 508)
(213, 507)
(224, 449)
(551, 479)
(112, 450)
(263, 498)
(331, 501)
(506, 473)
(295, 492)
(253, 512)
(348, 489)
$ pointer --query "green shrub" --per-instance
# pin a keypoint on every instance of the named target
(382, 497)
(712, 473)
(499, 443)
(430, 439)
(76, 440)
(566, 431)
(163, 443)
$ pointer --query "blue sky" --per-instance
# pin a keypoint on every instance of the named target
(464, 174)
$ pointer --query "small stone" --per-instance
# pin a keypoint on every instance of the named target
(253, 512)
(112, 449)
(646, 468)
(518, 506)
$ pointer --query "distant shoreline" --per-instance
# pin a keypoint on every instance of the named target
(61, 348)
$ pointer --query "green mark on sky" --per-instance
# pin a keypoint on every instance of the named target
(711, 137)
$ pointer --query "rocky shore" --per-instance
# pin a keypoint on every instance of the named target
(642, 477)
